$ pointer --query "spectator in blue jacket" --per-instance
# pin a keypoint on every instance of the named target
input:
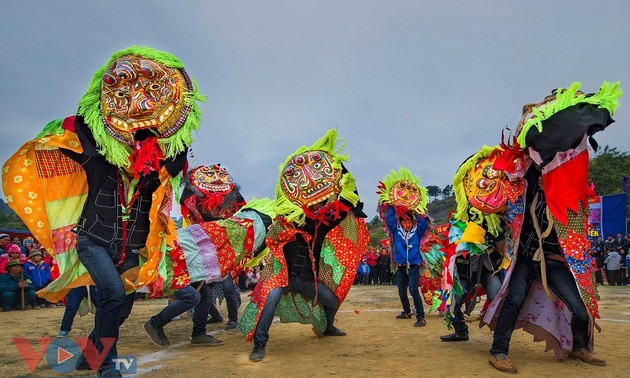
(407, 230)
(39, 273)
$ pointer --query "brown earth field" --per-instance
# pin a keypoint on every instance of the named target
(377, 344)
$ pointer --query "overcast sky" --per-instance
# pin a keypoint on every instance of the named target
(420, 84)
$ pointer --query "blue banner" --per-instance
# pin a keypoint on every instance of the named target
(613, 214)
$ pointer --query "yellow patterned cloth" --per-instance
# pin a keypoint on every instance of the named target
(47, 190)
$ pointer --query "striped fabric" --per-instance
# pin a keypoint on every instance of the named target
(201, 255)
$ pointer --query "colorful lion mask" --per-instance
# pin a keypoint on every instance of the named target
(144, 92)
(311, 176)
(402, 190)
(482, 191)
(213, 178)
(210, 192)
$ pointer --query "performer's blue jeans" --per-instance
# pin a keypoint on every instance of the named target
(73, 300)
(490, 282)
(409, 280)
(114, 305)
(325, 297)
(232, 300)
(185, 299)
(560, 280)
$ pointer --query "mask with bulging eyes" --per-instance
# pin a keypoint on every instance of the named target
(309, 179)
(485, 187)
(405, 193)
(214, 179)
(141, 94)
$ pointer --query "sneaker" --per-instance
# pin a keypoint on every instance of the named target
(63, 333)
(231, 325)
(214, 320)
(587, 356)
(501, 362)
(420, 322)
(156, 334)
(403, 315)
(455, 337)
(257, 354)
(334, 331)
(205, 340)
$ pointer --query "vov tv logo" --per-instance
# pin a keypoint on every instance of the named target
(63, 354)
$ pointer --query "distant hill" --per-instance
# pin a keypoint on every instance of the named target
(439, 209)
(4, 208)
(9, 219)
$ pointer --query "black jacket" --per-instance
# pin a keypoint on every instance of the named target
(101, 218)
(296, 252)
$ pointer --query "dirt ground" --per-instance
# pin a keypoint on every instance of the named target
(377, 344)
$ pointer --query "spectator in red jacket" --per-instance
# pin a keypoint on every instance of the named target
(13, 253)
(372, 261)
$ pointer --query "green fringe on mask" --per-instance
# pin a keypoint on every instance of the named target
(118, 153)
(606, 97)
(403, 174)
(328, 143)
(263, 205)
(465, 211)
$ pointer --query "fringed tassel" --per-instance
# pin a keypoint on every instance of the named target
(212, 200)
(328, 213)
(146, 157)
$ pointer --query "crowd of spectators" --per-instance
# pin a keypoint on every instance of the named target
(611, 257)
(374, 268)
(25, 267)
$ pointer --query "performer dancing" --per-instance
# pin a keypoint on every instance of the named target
(109, 206)
(552, 250)
(488, 204)
(209, 194)
(402, 207)
(316, 243)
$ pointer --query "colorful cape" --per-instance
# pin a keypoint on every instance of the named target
(209, 251)
(341, 253)
(47, 190)
(572, 117)
(469, 226)
(343, 246)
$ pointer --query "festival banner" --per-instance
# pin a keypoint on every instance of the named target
(608, 215)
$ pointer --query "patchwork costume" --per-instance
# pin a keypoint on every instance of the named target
(208, 250)
(95, 188)
(489, 210)
(315, 242)
(552, 248)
